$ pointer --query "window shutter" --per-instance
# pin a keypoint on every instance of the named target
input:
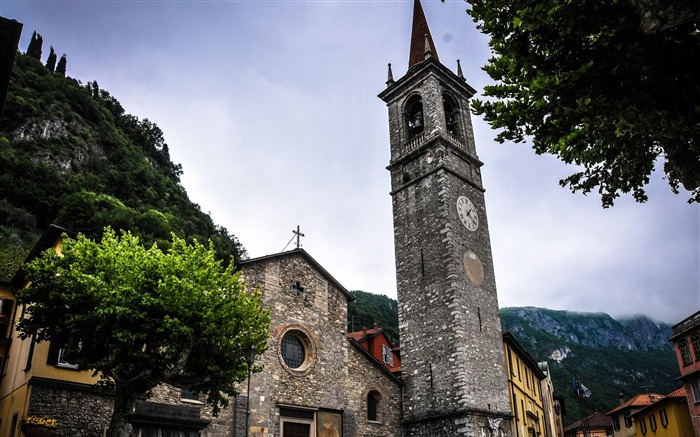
(52, 358)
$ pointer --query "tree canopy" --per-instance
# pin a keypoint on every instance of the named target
(139, 317)
(608, 85)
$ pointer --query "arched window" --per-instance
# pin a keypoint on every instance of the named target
(696, 345)
(414, 115)
(451, 113)
(684, 348)
(373, 399)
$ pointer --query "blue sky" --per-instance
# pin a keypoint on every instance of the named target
(271, 108)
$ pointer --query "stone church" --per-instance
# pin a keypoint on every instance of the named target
(316, 381)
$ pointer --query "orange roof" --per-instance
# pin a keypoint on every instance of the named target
(359, 335)
(679, 393)
(641, 400)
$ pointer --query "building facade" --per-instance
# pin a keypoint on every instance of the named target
(451, 346)
(525, 390)
(623, 416)
(376, 343)
(685, 336)
(666, 417)
(554, 425)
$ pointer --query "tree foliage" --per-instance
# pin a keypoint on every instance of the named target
(140, 317)
(35, 45)
(368, 309)
(62, 65)
(597, 86)
(51, 60)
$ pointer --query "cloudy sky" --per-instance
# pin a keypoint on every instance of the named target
(271, 108)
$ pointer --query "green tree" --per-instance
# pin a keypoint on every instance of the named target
(51, 61)
(34, 48)
(597, 86)
(61, 67)
(139, 317)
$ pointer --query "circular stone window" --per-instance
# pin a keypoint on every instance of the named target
(295, 350)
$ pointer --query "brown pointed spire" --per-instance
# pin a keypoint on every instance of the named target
(390, 77)
(422, 46)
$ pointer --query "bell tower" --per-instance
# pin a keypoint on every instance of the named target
(451, 342)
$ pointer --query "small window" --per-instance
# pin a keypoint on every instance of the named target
(373, 398)
(628, 420)
(616, 422)
(664, 418)
(652, 422)
(695, 339)
(61, 360)
(684, 348)
(13, 426)
(387, 355)
(643, 426)
(695, 385)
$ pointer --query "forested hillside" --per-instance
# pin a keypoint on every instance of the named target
(609, 356)
(72, 156)
(369, 309)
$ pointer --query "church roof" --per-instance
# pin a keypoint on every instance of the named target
(421, 40)
(349, 296)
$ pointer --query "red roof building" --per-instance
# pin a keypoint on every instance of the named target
(378, 345)
(623, 424)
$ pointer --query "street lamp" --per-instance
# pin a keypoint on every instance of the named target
(249, 359)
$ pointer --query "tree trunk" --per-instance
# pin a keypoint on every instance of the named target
(124, 403)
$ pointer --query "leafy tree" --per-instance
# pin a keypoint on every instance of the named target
(61, 67)
(34, 48)
(610, 86)
(51, 61)
(139, 317)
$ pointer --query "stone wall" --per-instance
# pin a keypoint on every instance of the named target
(81, 410)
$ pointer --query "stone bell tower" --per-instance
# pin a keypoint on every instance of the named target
(451, 343)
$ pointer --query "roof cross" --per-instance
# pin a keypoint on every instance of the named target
(298, 235)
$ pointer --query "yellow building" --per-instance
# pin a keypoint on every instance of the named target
(667, 417)
(623, 425)
(524, 389)
(32, 372)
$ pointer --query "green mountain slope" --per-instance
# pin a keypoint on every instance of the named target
(369, 309)
(70, 155)
(608, 356)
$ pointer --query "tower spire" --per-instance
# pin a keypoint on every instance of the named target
(422, 45)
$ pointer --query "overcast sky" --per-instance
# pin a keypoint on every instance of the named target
(271, 108)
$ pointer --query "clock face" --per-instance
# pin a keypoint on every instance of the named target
(467, 213)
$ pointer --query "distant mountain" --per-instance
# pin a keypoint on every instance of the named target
(610, 357)
(72, 156)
